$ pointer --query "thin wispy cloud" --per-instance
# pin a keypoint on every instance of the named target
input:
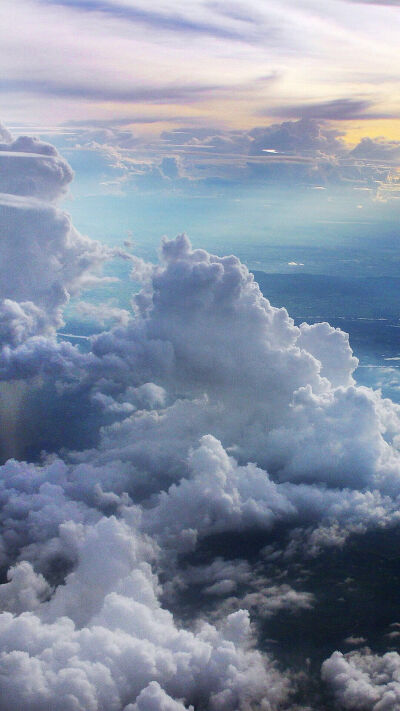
(337, 110)
(169, 22)
(217, 52)
(393, 3)
(150, 95)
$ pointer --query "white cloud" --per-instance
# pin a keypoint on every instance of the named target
(363, 680)
(127, 641)
(222, 417)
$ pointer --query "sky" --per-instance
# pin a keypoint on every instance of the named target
(228, 65)
(279, 119)
(199, 356)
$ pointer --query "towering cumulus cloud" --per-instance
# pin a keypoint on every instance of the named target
(43, 258)
(207, 447)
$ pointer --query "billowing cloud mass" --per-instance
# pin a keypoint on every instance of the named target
(362, 680)
(203, 418)
(43, 258)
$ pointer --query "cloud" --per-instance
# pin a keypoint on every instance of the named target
(102, 314)
(291, 155)
(239, 365)
(154, 697)
(377, 149)
(44, 261)
(5, 135)
(33, 168)
(44, 258)
(89, 124)
(302, 137)
(127, 93)
(160, 21)
(204, 421)
(219, 496)
(307, 134)
(336, 110)
(127, 641)
(395, 3)
(363, 680)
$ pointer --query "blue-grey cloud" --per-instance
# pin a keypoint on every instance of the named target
(394, 3)
(153, 95)
(335, 110)
(124, 121)
(157, 20)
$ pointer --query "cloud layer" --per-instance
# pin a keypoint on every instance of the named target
(204, 417)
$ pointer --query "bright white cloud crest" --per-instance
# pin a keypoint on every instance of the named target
(219, 415)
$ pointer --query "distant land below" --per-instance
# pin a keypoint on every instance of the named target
(321, 296)
(367, 308)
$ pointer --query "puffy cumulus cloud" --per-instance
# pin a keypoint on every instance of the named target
(304, 135)
(20, 321)
(35, 501)
(363, 680)
(43, 260)
(269, 601)
(231, 365)
(33, 168)
(104, 641)
(297, 137)
(154, 698)
(292, 154)
(102, 314)
(104, 137)
(282, 396)
(200, 354)
(25, 589)
(377, 149)
(43, 257)
(230, 585)
(209, 416)
(322, 341)
(219, 496)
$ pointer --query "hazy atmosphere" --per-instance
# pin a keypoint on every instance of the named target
(199, 355)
